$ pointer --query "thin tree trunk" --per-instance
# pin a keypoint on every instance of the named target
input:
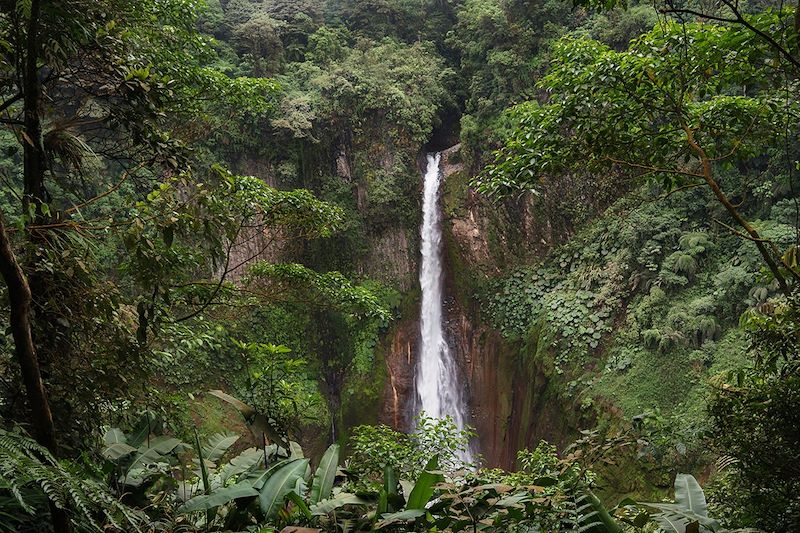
(752, 234)
(19, 297)
(34, 158)
(19, 291)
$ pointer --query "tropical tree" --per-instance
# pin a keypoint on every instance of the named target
(683, 106)
(111, 227)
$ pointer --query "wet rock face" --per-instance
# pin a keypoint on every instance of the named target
(469, 228)
(256, 243)
(511, 401)
(451, 162)
(471, 237)
(399, 392)
(392, 258)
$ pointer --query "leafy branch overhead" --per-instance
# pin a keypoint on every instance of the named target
(685, 101)
(330, 290)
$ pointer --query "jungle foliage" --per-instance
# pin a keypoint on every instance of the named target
(208, 222)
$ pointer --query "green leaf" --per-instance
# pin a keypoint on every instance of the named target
(383, 502)
(138, 435)
(423, 488)
(259, 424)
(114, 436)
(326, 472)
(674, 521)
(301, 504)
(117, 445)
(689, 494)
(203, 469)
(257, 479)
(217, 445)
(402, 516)
(219, 497)
(390, 499)
(118, 450)
(279, 485)
(295, 451)
(389, 481)
(243, 462)
(340, 500)
(153, 454)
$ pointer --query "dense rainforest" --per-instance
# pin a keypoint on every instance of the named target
(402, 265)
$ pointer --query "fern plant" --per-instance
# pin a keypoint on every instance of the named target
(31, 476)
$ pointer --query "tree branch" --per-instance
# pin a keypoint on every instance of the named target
(723, 199)
(8, 103)
(739, 19)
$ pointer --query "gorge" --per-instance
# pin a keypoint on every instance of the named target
(246, 244)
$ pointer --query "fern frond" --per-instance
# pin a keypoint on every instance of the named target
(32, 475)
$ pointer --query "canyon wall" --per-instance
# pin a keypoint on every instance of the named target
(514, 402)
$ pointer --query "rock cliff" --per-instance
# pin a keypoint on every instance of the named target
(512, 401)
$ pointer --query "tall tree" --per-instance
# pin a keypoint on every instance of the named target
(682, 105)
(111, 224)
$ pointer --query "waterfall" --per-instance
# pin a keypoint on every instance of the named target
(440, 393)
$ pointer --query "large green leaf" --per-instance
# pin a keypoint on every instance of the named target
(114, 436)
(673, 517)
(689, 494)
(326, 472)
(394, 500)
(675, 521)
(217, 445)
(340, 500)
(301, 504)
(117, 445)
(245, 461)
(295, 451)
(219, 497)
(383, 502)
(259, 424)
(688, 512)
(258, 478)
(118, 450)
(149, 457)
(279, 485)
(143, 428)
(161, 445)
(423, 488)
(401, 517)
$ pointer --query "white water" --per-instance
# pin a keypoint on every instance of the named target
(438, 388)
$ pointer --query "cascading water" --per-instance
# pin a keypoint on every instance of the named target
(437, 374)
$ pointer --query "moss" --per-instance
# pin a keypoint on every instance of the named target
(362, 396)
(455, 190)
(211, 416)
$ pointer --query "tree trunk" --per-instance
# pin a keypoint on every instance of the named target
(34, 158)
(19, 298)
(19, 291)
(751, 232)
